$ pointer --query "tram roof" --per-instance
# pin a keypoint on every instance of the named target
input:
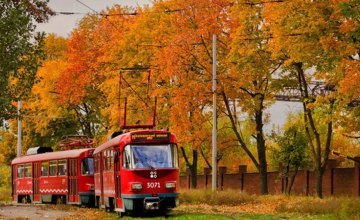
(126, 138)
(51, 156)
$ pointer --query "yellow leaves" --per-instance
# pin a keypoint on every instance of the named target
(330, 42)
(350, 85)
(348, 26)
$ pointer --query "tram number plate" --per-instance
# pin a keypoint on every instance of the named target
(153, 185)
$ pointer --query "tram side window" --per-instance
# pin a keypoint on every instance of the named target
(104, 154)
(52, 170)
(108, 159)
(111, 159)
(28, 170)
(107, 167)
(44, 168)
(62, 167)
(20, 171)
(97, 163)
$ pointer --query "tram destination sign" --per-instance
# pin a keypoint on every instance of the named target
(140, 137)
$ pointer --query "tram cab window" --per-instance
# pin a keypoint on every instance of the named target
(62, 167)
(52, 169)
(126, 157)
(28, 170)
(87, 166)
(150, 156)
(20, 170)
(44, 168)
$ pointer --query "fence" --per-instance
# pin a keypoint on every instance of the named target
(336, 181)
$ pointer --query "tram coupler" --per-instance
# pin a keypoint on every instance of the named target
(152, 203)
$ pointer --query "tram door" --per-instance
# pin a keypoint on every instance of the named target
(36, 184)
(73, 189)
(118, 181)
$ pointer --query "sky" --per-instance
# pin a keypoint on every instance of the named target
(62, 25)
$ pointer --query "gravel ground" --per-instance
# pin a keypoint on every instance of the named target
(33, 212)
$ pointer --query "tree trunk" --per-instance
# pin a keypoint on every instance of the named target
(194, 170)
(319, 180)
(292, 180)
(260, 142)
(311, 131)
(192, 167)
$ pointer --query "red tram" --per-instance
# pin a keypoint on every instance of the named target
(137, 171)
(65, 177)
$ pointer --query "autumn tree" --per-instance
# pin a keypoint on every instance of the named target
(47, 121)
(78, 84)
(311, 40)
(246, 86)
(185, 63)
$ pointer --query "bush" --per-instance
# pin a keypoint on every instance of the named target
(5, 194)
(228, 197)
(5, 175)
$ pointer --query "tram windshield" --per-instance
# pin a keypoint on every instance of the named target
(150, 156)
(87, 166)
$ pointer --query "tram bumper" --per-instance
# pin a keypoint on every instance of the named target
(152, 203)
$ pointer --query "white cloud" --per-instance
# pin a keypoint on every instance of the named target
(62, 25)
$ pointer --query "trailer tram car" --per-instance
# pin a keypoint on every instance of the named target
(137, 171)
(63, 177)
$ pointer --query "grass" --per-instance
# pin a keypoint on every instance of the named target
(233, 204)
(243, 206)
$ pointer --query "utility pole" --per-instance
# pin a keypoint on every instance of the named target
(214, 132)
(19, 128)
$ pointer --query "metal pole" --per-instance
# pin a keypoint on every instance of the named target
(19, 128)
(214, 132)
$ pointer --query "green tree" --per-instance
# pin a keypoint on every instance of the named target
(291, 152)
(21, 51)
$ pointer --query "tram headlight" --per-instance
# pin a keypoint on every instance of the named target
(90, 187)
(170, 185)
(136, 186)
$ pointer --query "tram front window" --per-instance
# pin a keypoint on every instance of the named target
(150, 156)
(87, 166)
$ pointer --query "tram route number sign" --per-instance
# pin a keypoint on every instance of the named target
(139, 137)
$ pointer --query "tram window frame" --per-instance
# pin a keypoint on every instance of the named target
(20, 171)
(96, 163)
(52, 168)
(62, 168)
(45, 168)
(98, 166)
(27, 170)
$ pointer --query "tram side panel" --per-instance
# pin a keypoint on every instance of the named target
(58, 177)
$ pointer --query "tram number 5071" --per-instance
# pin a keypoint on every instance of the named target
(153, 185)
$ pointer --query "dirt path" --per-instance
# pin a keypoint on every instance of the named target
(32, 212)
(67, 212)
